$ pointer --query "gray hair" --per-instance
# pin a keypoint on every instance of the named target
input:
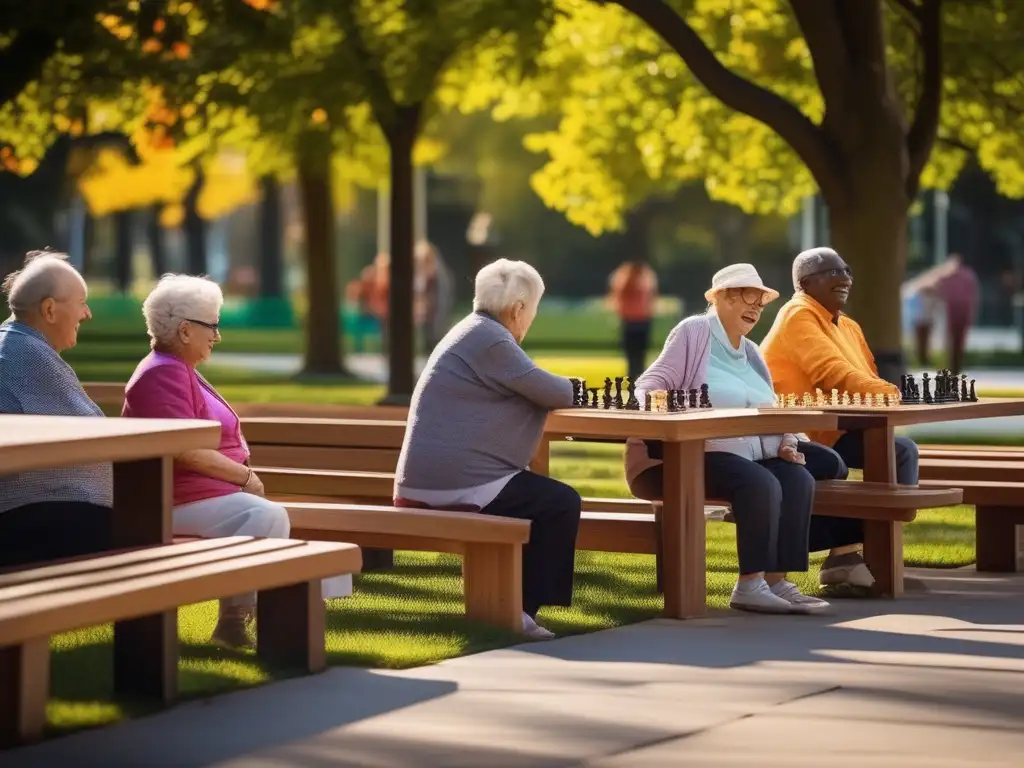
(808, 262)
(41, 278)
(176, 298)
(502, 283)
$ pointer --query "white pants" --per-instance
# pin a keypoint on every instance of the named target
(245, 514)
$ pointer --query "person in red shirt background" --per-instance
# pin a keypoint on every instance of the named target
(633, 290)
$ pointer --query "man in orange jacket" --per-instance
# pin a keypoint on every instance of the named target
(814, 345)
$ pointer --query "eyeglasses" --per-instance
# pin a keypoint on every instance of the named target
(834, 272)
(752, 297)
(215, 327)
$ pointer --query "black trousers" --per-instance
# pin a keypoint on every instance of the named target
(771, 503)
(549, 558)
(36, 533)
(636, 336)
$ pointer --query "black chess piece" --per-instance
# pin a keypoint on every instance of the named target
(647, 401)
(705, 398)
(904, 388)
(577, 395)
(593, 396)
(617, 401)
(632, 404)
(973, 395)
(913, 394)
(606, 397)
(693, 398)
(927, 394)
(964, 396)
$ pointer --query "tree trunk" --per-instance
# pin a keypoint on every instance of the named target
(195, 229)
(401, 331)
(872, 237)
(271, 239)
(157, 246)
(123, 247)
(323, 339)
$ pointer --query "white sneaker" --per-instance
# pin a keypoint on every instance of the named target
(758, 598)
(798, 602)
(535, 631)
(858, 575)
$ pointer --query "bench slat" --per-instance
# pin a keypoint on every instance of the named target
(324, 482)
(314, 457)
(87, 565)
(22, 620)
(199, 555)
(383, 520)
(332, 433)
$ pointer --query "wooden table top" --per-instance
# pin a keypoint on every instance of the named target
(48, 442)
(698, 424)
(908, 415)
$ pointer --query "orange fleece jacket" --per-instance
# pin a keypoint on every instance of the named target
(806, 350)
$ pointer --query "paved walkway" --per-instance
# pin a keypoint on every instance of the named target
(932, 680)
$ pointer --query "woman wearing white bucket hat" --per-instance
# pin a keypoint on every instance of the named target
(763, 477)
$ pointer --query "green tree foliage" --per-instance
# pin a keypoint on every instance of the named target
(768, 100)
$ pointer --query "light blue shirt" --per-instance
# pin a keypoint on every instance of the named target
(34, 379)
(734, 383)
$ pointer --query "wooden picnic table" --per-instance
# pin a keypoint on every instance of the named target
(141, 451)
(684, 547)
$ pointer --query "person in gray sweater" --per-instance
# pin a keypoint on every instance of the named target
(476, 417)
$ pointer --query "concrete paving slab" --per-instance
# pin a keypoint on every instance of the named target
(933, 678)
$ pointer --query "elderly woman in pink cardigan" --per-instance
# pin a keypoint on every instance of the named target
(216, 492)
(768, 479)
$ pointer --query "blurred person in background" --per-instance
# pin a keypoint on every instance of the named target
(958, 288)
(633, 291)
(434, 291)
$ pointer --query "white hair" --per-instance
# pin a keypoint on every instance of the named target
(180, 297)
(502, 283)
(43, 277)
(808, 262)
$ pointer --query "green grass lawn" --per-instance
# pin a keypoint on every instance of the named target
(412, 615)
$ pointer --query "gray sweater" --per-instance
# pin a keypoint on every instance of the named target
(478, 410)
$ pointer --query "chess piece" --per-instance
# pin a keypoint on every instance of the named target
(705, 397)
(647, 401)
(857, 399)
(791, 401)
(964, 396)
(593, 396)
(903, 385)
(632, 404)
(927, 395)
(846, 398)
(606, 398)
(577, 392)
(819, 398)
(835, 397)
(617, 401)
(693, 398)
(973, 396)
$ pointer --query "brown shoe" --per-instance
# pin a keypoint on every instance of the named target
(235, 630)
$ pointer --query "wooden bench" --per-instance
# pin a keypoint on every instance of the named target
(491, 547)
(992, 479)
(141, 591)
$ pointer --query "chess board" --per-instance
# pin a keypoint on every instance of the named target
(619, 394)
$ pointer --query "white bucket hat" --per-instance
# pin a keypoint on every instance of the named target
(738, 276)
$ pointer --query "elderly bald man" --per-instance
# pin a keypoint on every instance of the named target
(52, 513)
(814, 344)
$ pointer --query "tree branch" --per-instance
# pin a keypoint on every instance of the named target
(22, 61)
(740, 94)
(824, 37)
(921, 136)
(910, 7)
(377, 91)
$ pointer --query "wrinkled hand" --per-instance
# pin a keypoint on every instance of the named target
(791, 454)
(255, 486)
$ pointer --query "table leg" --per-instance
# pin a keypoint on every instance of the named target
(143, 493)
(146, 648)
(683, 530)
(883, 541)
(541, 461)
